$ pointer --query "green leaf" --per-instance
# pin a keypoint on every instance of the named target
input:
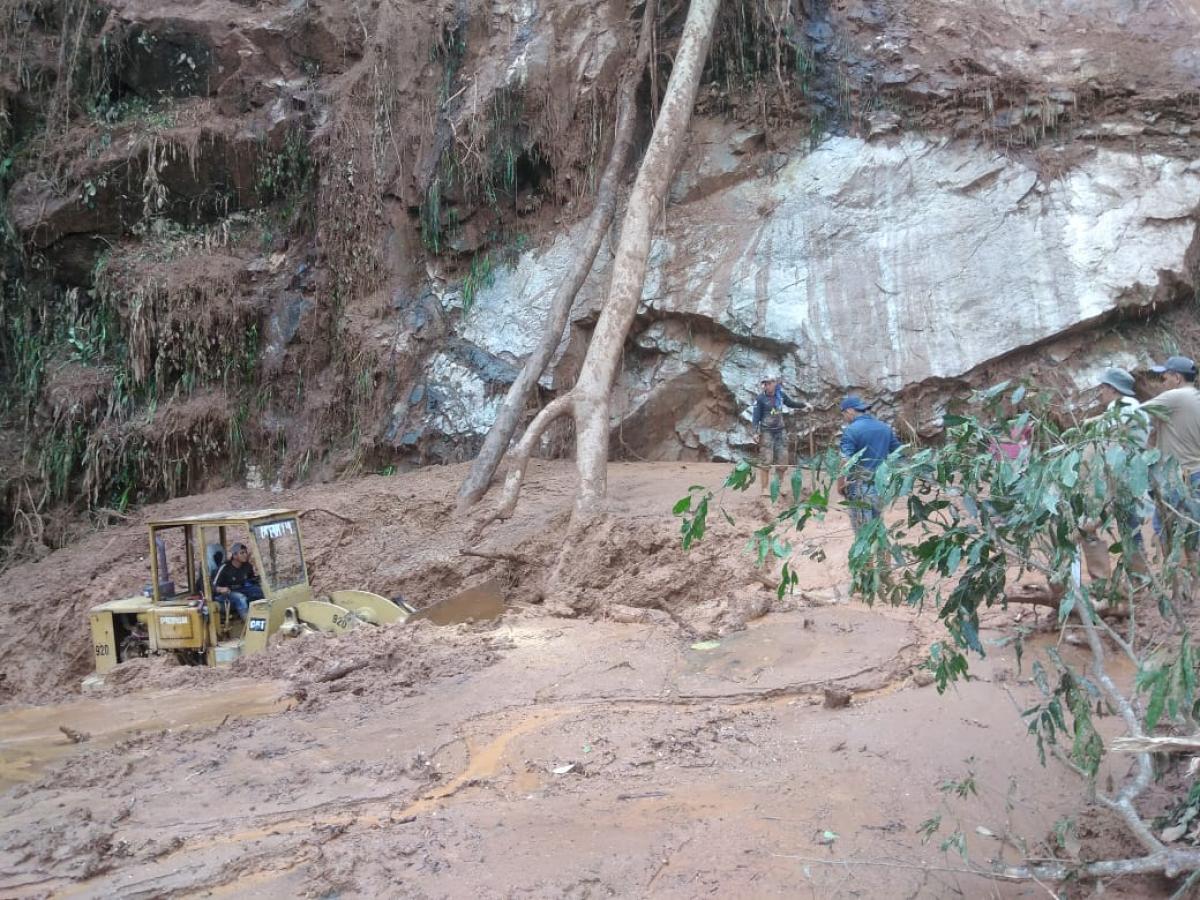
(1018, 395)
(1039, 678)
(1070, 469)
(681, 506)
(996, 390)
(1158, 700)
(1067, 605)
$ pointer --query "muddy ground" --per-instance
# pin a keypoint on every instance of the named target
(533, 756)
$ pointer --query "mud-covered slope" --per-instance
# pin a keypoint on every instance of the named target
(396, 535)
(284, 242)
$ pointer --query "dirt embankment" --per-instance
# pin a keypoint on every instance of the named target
(351, 178)
(401, 538)
(610, 754)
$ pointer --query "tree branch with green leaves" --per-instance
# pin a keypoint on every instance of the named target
(966, 523)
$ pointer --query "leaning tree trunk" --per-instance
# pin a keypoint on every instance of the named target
(594, 386)
(603, 211)
(588, 401)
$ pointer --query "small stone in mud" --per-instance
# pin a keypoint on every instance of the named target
(922, 678)
(75, 737)
(836, 698)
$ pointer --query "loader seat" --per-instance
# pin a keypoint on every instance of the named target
(215, 555)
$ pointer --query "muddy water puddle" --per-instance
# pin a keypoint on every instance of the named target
(820, 643)
(33, 737)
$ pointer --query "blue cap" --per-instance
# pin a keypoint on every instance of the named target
(853, 401)
(1180, 364)
(1119, 380)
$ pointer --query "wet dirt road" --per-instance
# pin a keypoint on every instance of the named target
(589, 759)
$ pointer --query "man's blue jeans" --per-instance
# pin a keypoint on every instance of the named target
(240, 600)
(1187, 504)
(864, 505)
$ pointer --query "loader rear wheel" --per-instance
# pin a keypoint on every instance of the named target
(132, 647)
(131, 638)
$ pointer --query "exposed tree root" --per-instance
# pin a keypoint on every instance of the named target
(588, 401)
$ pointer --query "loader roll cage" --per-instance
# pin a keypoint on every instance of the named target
(188, 618)
(272, 536)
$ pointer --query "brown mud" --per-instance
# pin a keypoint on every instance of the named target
(532, 755)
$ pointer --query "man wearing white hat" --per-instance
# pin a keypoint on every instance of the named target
(768, 426)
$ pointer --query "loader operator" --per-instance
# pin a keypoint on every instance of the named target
(236, 582)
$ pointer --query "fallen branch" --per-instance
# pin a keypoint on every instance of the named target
(504, 556)
(1122, 805)
(1171, 863)
(340, 672)
(644, 795)
(328, 512)
(75, 737)
(1151, 744)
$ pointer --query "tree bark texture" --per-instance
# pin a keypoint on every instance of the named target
(594, 386)
(603, 211)
(588, 401)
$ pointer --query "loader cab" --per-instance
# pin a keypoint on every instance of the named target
(180, 610)
(186, 556)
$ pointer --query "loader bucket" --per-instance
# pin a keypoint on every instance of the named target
(483, 601)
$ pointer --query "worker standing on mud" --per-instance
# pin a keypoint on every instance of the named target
(768, 426)
(868, 442)
(1176, 417)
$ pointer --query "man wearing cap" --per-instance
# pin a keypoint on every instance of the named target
(235, 582)
(869, 442)
(1116, 392)
(768, 425)
(1176, 413)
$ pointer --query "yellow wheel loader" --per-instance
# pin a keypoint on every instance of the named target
(182, 612)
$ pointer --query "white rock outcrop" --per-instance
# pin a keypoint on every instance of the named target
(873, 266)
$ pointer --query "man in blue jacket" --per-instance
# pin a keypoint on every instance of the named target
(768, 425)
(871, 441)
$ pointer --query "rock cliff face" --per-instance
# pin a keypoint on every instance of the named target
(874, 266)
(1017, 173)
(316, 238)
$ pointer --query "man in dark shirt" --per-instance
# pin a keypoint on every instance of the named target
(871, 441)
(768, 426)
(235, 581)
